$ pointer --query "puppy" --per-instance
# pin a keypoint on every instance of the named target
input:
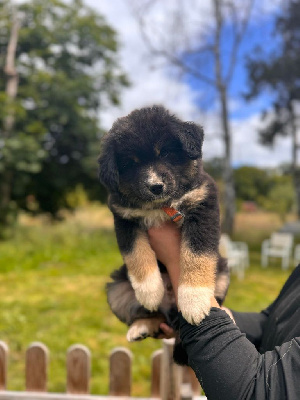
(150, 162)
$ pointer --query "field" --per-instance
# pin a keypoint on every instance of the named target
(52, 289)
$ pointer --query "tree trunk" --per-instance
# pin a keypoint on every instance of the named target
(296, 181)
(229, 190)
(295, 148)
(11, 76)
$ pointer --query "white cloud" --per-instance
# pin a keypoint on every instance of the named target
(151, 85)
(247, 150)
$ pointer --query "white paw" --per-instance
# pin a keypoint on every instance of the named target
(143, 328)
(138, 332)
(194, 302)
(149, 292)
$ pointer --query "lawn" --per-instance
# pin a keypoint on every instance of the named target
(52, 289)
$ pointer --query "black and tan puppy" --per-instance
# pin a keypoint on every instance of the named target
(151, 164)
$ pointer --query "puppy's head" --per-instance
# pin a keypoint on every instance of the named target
(149, 155)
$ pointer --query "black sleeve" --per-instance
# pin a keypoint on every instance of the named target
(252, 324)
(228, 366)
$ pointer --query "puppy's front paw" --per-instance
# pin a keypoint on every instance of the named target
(150, 291)
(194, 302)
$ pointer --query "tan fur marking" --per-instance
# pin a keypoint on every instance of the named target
(144, 274)
(197, 270)
(196, 195)
(193, 197)
(141, 261)
(157, 150)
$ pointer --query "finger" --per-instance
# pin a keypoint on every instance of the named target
(228, 312)
(167, 330)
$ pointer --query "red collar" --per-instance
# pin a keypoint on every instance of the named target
(175, 215)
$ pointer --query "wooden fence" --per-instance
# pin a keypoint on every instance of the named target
(168, 380)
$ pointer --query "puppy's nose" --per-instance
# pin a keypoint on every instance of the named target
(156, 188)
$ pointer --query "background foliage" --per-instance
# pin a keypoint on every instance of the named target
(67, 63)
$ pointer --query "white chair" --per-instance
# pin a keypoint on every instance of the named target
(297, 255)
(279, 245)
(237, 255)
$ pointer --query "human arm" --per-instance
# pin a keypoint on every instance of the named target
(252, 324)
(228, 366)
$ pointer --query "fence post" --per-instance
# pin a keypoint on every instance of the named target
(3, 365)
(155, 373)
(190, 377)
(186, 392)
(36, 367)
(171, 373)
(120, 372)
(78, 369)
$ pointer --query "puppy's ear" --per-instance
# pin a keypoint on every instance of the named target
(191, 137)
(108, 170)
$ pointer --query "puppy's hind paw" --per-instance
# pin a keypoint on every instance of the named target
(137, 332)
(194, 302)
(143, 328)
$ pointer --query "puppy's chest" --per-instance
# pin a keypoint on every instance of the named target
(155, 217)
(146, 218)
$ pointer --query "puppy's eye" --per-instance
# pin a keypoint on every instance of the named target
(128, 163)
(164, 153)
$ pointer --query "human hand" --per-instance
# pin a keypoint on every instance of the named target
(228, 312)
(168, 332)
(165, 241)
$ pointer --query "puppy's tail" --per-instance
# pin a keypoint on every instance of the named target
(222, 280)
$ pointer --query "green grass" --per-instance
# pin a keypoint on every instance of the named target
(52, 280)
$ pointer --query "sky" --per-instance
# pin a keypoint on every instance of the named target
(153, 83)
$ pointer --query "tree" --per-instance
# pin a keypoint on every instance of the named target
(8, 115)
(202, 56)
(214, 167)
(268, 189)
(252, 183)
(281, 199)
(277, 72)
(67, 69)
